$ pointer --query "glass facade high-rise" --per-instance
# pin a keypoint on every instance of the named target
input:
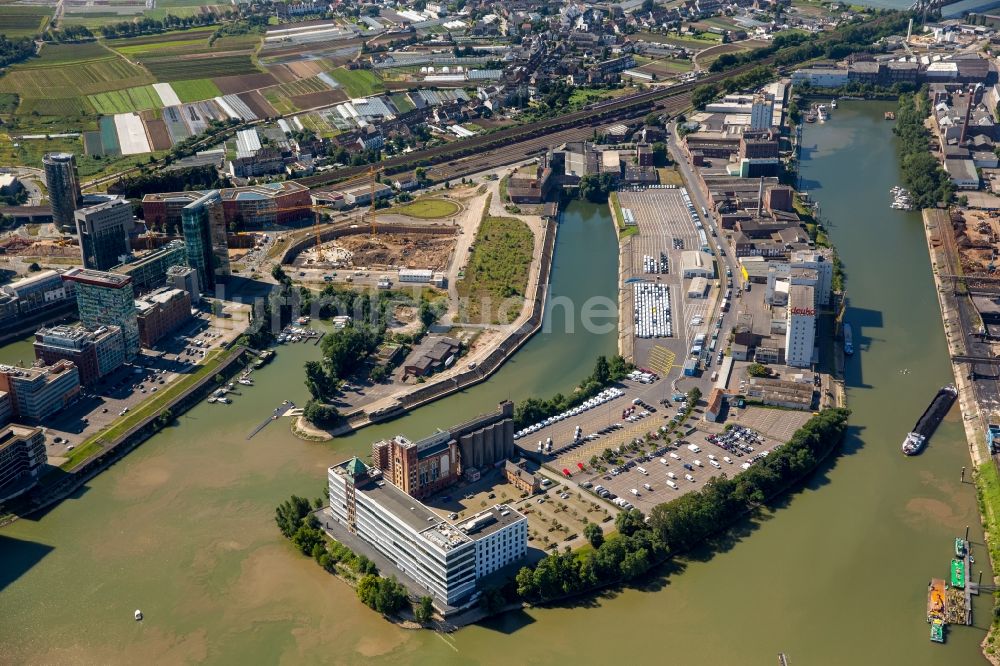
(107, 299)
(103, 230)
(204, 225)
(149, 271)
(63, 183)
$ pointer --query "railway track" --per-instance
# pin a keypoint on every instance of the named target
(671, 97)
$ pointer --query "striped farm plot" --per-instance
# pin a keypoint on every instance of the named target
(131, 134)
(235, 107)
(139, 98)
(167, 95)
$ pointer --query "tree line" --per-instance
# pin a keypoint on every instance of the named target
(682, 523)
(533, 410)
(923, 176)
(15, 50)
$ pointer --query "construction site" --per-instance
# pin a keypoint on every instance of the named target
(421, 247)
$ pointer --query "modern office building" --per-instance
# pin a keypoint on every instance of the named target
(433, 463)
(249, 207)
(39, 392)
(95, 353)
(63, 183)
(22, 457)
(107, 299)
(446, 560)
(161, 312)
(149, 270)
(6, 408)
(800, 326)
(186, 278)
(205, 236)
(103, 231)
(44, 290)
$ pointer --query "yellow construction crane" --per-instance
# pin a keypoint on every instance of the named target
(372, 173)
(319, 241)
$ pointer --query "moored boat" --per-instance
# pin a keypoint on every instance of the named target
(929, 420)
(848, 339)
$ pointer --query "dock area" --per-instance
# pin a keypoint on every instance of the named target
(952, 603)
(279, 411)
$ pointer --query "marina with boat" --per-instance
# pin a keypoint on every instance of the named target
(901, 199)
(950, 602)
(928, 422)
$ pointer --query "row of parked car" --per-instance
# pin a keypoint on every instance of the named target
(599, 399)
(738, 440)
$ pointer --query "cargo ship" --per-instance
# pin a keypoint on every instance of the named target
(929, 420)
(848, 340)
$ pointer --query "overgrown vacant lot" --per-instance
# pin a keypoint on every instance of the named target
(69, 70)
(497, 271)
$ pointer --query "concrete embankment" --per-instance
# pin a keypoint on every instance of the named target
(514, 340)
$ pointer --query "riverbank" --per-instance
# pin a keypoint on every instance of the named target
(936, 224)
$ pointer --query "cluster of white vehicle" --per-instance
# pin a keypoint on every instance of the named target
(652, 310)
(599, 399)
(642, 377)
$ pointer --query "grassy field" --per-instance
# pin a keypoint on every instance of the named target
(428, 209)
(357, 82)
(702, 41)
(59, 107)
(175, 69)
(23, 21)
(94, 443)
(123, 101)
(497, 270)
(303, 87)
(195, 90)
(623, 231)
(402, 102)
(988, 492)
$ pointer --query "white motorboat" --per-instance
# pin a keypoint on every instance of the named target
(138, 615)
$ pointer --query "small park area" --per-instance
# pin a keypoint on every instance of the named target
(428, 209)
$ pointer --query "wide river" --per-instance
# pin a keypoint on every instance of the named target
(183, 527)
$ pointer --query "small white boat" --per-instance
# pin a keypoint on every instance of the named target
(833, 104)
(138, 615)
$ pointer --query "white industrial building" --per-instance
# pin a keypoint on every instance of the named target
(444, 559)
(820, 260)
(800, 319)
(698, 288)
(693, 265)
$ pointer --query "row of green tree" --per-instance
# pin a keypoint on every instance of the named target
(753, 78)
(192, 178)
(533, 410)
(151, 26)
(678, 525)
(299, 525)
(923, 176)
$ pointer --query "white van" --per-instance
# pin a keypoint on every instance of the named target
(715, 464)
(728, 459)
(642, 470)
(674, 456)
(663, 461)
(694, 448)
(635, 491)
(672, 485)
(697, 462)
(671, 475)
(711, 456)
(647, 486)
(689, 478)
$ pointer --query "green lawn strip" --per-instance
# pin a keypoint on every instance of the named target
(151, 406)
(623, 231)
(428, 209)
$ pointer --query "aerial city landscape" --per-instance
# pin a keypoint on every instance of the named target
(658, 329)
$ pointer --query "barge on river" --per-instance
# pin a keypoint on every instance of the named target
(928, 422)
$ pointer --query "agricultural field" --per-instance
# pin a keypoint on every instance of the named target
(180, 69)
(702, 41)
(402, 102)
(23, 20)
(303, 87)
(280, 102)
(123, 101)
(65, 71)
(666, 67)
(357, 82)
(195, 90)
(55, 107)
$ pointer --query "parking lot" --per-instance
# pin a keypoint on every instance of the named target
(555, 516)
(121, 391)
(665, 232)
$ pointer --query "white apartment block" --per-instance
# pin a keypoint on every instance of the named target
(444, 559)
(820, 260)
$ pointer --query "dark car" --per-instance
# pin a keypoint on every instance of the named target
(689, 467)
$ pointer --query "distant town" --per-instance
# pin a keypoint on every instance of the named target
(185, 198)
